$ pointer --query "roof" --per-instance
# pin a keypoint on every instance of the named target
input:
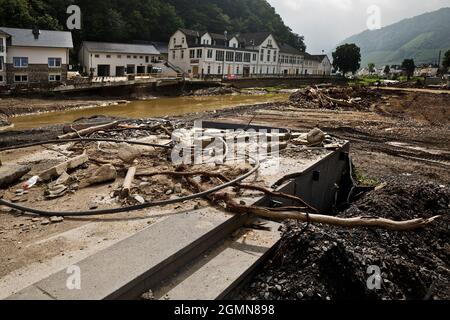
(120, 48)
(47, 38)
(317, 57)
(255, 39)
(285, 48)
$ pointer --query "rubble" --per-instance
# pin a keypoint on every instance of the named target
(10, 174)
(128, 153)
(105, 173)
(328, 263)
(358, 98)
(216, 91)
(60, 169)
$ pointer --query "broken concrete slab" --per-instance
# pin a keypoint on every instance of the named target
(9, 174)
(57, 171)
(103, 174)
(128, 153)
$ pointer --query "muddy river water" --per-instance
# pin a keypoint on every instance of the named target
(158, 107)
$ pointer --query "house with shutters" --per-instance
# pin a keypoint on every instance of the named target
(33, 56)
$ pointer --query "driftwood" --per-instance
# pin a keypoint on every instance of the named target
(126, 186)
(88, 131)
(356, 222)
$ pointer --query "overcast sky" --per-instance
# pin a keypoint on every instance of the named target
(325, 23)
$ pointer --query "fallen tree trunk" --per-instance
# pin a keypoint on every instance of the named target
(87, 131)
(355, 222)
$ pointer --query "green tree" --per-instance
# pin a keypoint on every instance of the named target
(347, 58)
(446, 61)
(371, 67)
(409, 67)
(387, 70)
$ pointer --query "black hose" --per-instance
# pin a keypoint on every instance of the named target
(123, 209)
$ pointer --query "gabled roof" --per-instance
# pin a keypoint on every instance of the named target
(318, 57)
(286, 48)
(120, 48)
(47, 38)
(255, 39)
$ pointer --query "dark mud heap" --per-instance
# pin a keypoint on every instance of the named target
(331, 263)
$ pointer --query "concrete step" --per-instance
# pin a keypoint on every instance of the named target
(221, 269)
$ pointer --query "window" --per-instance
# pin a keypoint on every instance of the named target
(20, 78)
(261, 58)
(141, 57)
(135, 57)
(1, 78)
(192, 54)
(230, 56)
(247, 57)
(174, 54)
(108, 56)
(119, 56)
(237, 70)
(147, 59)
(269, 42)
(128, 57)
(2, 47)
(20, 62)
(54, 78)
(275, 56)
(238, 56)
(1, 63)
(254, 70)
(209, 70)
(219, 55)
(182, 40)
(219, 69)
(182, 54)
(199, 53)
(97, 56)
(174, 40)
(209, 54)
(254, 57)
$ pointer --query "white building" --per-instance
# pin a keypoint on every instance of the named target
(103, 59)
(200, 54)
(34, 56)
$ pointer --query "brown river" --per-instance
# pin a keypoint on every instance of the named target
(158, 107)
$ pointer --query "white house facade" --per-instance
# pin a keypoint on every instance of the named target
(34, 56)
(101, 59)
(201, 54)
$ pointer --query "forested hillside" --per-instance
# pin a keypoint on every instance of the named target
(127, 20)
(420, 38)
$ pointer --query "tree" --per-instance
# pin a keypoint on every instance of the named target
(387, 70)
(409, 67)
(347, 58)
(371, 67)
(446, 61)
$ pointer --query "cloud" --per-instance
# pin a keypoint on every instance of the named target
(325, 23)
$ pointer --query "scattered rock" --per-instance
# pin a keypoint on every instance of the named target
(56, 219)
(128, 153)
(105, 173)
(139, 199)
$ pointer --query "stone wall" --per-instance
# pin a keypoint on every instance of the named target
(37, 73)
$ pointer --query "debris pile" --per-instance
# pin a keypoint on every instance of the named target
(215, 91)
(334, 98)
(329, 263)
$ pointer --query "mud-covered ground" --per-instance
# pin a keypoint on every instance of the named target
(400, 138)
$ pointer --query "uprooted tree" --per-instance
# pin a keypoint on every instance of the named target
(347, 58)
